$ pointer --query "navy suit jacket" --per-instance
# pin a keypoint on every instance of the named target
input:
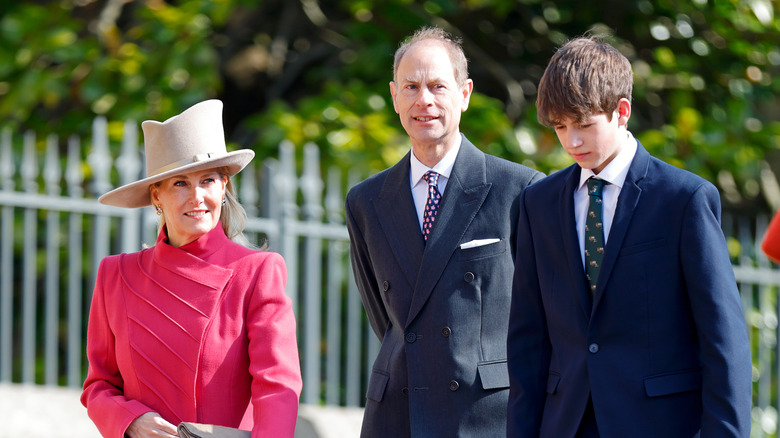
(440, 311)
(662, 349)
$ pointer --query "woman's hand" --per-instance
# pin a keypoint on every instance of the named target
(151, 424)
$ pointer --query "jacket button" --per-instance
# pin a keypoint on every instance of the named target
(411, 337)
(385, 286)
(454, 385)
(446, 332)
(469, 277)
(405, 390)
(593, 348)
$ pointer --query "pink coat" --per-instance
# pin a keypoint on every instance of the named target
(193, 333)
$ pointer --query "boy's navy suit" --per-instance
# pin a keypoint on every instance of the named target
(662, 347)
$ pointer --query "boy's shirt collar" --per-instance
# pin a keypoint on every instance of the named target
(616, 171)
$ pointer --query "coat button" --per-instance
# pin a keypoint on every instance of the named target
(593, 348)
(446, 332)
(411, 337)
(469, 277)
(385, 286)
(454, 385)
(405, 390)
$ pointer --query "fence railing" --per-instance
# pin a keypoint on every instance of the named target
(53, 234)
(758, 280)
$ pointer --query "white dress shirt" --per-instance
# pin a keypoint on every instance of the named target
(615, 174)
(420, 185)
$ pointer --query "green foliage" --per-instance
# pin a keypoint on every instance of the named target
(707, 74)
(59, 71)
(712, 81)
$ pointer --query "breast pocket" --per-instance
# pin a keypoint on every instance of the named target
(483, 251)
(493, 374)
(674, 382)
(642, 247)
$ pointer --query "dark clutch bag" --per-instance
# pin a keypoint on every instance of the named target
(197, 430)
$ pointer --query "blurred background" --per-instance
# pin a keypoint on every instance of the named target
(305, 85)
(706, 72)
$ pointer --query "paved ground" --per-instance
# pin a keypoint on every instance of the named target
(30, 411)
(39, 411)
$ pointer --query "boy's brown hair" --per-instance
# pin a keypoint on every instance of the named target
(585, 76)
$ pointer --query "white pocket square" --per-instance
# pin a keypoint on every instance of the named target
(478, 242)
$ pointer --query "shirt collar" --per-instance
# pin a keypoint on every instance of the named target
(616, 171)
(443, 167)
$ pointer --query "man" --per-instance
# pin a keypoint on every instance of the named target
(626, 319)
(436, 281)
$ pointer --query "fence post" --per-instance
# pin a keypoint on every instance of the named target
(247, 193)
(286, 186)
(334, 204)
(269, 200)
(51, 176)
(100, 162)
(6, 258)
(311, 187)
(354, 329)
(29, 173)
(128, 165)
(74, 177)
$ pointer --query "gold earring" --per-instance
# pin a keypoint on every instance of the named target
(159, 209)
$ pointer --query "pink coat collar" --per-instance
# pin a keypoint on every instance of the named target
(192, 260)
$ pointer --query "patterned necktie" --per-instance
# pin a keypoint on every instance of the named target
(594, 233)
(432, 205)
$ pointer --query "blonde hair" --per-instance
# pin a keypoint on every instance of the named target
(233, 216)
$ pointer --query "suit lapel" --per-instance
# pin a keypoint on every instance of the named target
(465, 193)
(398, 218)
(627, 202)
(571, 241)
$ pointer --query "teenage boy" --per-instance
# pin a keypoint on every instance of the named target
(625, 317)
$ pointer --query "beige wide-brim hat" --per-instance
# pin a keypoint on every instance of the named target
(191, 141)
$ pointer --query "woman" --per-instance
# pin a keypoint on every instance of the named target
(198, 327)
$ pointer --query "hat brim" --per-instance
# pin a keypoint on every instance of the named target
(136, 194)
